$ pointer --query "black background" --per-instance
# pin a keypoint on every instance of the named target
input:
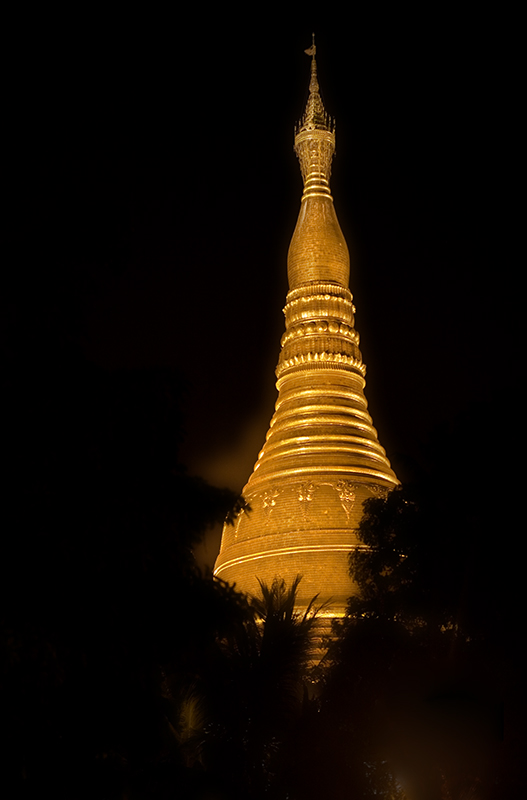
(152, 191)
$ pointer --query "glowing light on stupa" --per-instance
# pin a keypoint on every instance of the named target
(322, 457)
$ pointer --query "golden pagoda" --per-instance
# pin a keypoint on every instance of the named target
(322, 457)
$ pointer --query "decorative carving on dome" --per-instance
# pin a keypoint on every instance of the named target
(347, 495)
(305, 492)
(269, 500)
(378, 491)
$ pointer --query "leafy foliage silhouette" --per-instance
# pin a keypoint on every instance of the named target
(254, 693)
(430, 652)
(101, 603)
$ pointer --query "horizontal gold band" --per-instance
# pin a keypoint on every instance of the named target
(309, 193)
(351, 470)
(284, 551)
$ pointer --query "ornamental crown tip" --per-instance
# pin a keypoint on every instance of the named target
(315, 116)
(311, 51)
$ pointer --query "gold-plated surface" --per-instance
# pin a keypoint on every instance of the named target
(321, 458)
(318, 250)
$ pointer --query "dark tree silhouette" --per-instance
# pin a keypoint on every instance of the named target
(240, 720)
(102, 609)
(430, 657)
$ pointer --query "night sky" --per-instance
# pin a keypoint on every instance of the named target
(150, 160)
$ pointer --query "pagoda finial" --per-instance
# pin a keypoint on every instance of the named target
(314, 115)
(315, 137)
(313, 83)
(311, 51)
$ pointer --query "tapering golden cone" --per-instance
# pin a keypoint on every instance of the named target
(321, 458)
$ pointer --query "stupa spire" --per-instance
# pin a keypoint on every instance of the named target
(318, 250)
(315, 116)
(322, 457)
